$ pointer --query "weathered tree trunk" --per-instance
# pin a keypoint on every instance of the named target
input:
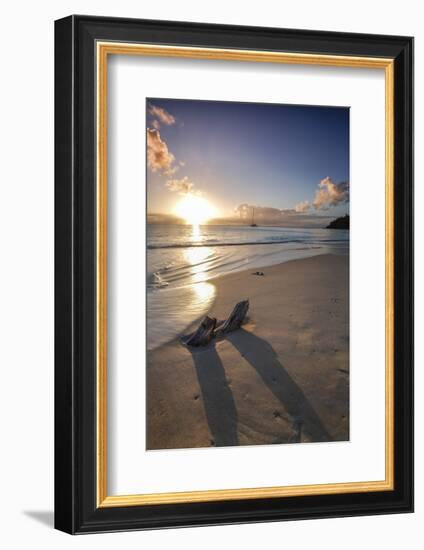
(235, 319)
(210, 328)
(203, 335)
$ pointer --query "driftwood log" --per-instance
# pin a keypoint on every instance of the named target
(234, 321)
(203, 335)
(210, 328)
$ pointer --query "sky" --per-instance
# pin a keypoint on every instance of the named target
(227, 160)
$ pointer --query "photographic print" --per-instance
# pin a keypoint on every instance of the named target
(212, 300)
(247, 274)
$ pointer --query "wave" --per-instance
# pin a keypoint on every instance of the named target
(156, 280)
(241, 243)
(191, 269)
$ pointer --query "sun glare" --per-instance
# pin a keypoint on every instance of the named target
(195, 210)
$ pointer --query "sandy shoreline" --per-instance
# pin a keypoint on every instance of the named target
(283, 377)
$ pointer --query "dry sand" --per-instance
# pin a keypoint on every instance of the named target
(282, 378)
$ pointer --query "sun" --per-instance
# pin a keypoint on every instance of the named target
(195, 210)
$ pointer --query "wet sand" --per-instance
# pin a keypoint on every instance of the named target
(282, 378)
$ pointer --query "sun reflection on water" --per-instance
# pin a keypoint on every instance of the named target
(195, 232)
(197, 257)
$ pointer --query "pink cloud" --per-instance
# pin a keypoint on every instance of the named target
(330, 193)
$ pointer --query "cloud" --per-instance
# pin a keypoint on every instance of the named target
(330, 193)
(159, 158)
(182, 186)
(288, 217)
(302, 207)
(153, 217)
(171, 171)
(264, 214)
(161, 114)
(156, 124)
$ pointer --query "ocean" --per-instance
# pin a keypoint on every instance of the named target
(183, 259)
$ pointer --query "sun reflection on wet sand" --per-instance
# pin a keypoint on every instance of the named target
(185, 301)
(205, 292)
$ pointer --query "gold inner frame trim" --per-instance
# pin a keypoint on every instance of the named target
(104, 49)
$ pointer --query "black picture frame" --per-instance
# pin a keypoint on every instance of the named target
(76, 510)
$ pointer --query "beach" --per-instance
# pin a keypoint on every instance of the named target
(281, 378)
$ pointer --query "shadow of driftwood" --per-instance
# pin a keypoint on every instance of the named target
(261, 355)
(218, 399)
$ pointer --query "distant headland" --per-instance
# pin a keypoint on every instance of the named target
(340, 223)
